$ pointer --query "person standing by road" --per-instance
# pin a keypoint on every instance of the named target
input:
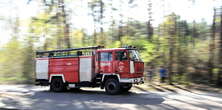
(163, 74)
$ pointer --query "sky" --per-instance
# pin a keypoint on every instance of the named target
(187, 9)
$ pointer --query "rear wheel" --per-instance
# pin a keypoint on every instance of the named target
(126, 87)
(112, 86)
(57, 85)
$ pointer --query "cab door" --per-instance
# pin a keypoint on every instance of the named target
(105, 62)
(121, 63)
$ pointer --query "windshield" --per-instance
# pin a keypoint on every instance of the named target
(134, 55)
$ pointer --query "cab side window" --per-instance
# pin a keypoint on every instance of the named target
(121, 55)
(106, 56)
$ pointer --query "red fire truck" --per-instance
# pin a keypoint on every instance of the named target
(114, 69)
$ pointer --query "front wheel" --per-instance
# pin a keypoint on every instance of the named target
(112, 86)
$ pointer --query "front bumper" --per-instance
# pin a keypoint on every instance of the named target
(132, 80)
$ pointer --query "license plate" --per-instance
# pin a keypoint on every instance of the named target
(72, 85)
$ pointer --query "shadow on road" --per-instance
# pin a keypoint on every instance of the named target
(182, 88)
(156, 88)
(101, 96)
(86, 99)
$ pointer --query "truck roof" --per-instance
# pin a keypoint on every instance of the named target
(111, 49)
(69, 49)
(73, 52)
(115, 49)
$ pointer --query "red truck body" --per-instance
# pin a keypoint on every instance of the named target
(69, 67)
(113, 69)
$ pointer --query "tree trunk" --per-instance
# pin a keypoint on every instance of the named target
(194, 34)
(172, 41)
(149, 30)
(101, 22)
(170, 67)
(65, 24)
(58, 31)
(212, 50)
(92, 6)
(149, 25)
(219, 78)
(120, 27)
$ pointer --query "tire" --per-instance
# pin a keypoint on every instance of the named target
(112, 86)
(57, 85)
(126, 87)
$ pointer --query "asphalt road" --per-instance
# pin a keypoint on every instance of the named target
(28, 97)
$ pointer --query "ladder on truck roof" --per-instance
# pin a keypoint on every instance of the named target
(71, 52)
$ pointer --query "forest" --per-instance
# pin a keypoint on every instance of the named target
(191, 50)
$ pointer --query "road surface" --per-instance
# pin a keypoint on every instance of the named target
(29, 97)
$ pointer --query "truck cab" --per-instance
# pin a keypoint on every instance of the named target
(115, 69)
(121, 61)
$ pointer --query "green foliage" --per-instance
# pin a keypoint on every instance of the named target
(28, 63)
(10, 61)
(145, 47)
(115, 44)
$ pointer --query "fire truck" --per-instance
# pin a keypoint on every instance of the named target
(115, 69)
